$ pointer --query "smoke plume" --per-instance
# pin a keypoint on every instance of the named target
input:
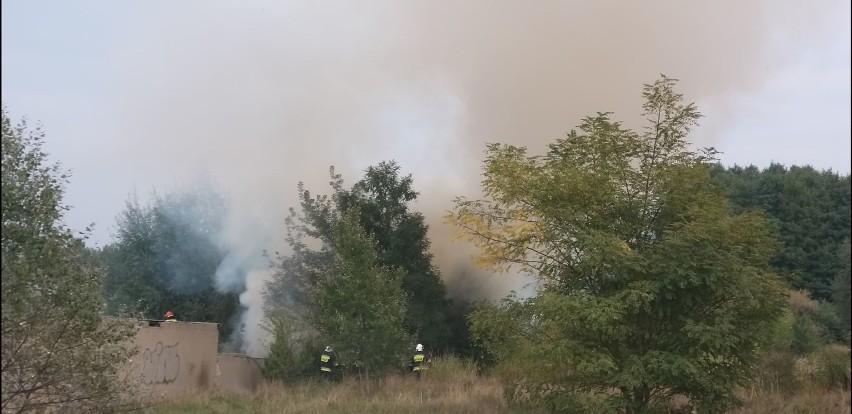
(263, 94)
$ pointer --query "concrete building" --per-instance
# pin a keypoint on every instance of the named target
(182, 356)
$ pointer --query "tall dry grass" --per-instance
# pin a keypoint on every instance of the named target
(810, 401)
(451, 386)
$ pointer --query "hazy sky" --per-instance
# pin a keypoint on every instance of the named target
(262, 94)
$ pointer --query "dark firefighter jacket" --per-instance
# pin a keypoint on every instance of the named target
(418, 361)
(328, 360)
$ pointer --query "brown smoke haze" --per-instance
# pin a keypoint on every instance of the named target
(261, 95)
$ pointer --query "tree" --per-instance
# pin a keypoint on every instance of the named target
(58, 352)
(362, 302)
(842, 288)
(166, 256)
(380, 200)
(340, 291)
(811, 210)
(648, 284)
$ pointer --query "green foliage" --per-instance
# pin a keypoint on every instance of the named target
(812, 212)
(341, 290)
(398, 236)
(830, 323)
(842, 288)
(291, 355)
(780, 336)
(166, 256)
(381, 197)
(647, 283)
(362, 303)
(58, 351)
(807, 335)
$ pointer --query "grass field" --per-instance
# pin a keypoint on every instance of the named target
(450, 387)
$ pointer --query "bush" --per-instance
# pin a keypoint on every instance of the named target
(780, 336)
(777, 372)
(827, 318)
(290, 357)
(832, 367)
(807, 335)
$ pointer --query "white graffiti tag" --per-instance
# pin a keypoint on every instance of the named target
(160, 365)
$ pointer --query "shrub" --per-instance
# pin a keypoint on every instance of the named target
(777, 372)
(832, 367)
(780, 337)
(291, 356)
(807, 335)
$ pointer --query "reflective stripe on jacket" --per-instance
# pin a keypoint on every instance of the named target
(419, 360)
(327, 361)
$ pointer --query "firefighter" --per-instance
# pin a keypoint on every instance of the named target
(170, 317)
(418, 361)
(328, 363)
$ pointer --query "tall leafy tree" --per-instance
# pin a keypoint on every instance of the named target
(166, 256)
(58, 353)
(648, 285)
(380, 201)
(381, 197)
(362, 302)
(334, 282)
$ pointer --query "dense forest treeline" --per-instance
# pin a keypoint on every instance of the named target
(811, 210)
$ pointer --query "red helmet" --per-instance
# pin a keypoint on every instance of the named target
(169, 314)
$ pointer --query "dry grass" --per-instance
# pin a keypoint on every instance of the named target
(814, 401)
(801, 302)
(451, 386)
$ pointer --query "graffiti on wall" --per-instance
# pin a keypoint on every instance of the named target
(160, 365)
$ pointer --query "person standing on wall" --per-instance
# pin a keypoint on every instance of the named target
(170, 317)
(418, 361)
(328, 363)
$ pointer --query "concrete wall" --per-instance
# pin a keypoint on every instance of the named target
(176, 357)
(182, 356)
(238, 373)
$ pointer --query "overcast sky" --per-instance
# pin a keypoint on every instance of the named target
(262, 94)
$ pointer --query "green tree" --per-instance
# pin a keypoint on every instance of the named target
(842, 288)
(58, 352)
(362, 303)
(648, 284)
(811, 210)
(380, 200)
(166, 257)
(334, 285)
